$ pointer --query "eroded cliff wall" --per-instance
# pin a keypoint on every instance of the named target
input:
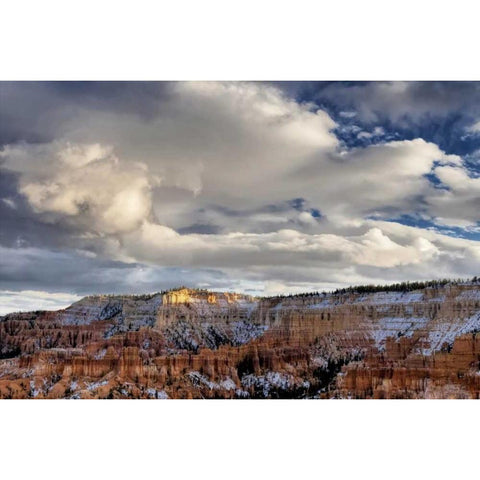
(198, 344)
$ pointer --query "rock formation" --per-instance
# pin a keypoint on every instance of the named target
(197, 344)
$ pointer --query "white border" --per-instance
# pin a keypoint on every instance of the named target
(301, 40)
(239, 439)
(248, 40)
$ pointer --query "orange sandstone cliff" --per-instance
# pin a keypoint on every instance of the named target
(199, 344)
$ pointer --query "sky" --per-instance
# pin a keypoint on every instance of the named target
(260, 187)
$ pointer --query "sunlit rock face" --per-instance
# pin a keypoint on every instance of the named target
(177, 296)
(190, 343)
(186, 295)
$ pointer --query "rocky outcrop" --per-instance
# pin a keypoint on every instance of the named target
(199, 344)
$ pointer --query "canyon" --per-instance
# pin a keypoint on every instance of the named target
(391, 343)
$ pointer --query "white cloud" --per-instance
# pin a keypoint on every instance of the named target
(28, 300)
(348, 114)
(458, 204)
(85, 184)
(377, 132)
(475, 128)
(290, 248)
(387, 177)
(10, 203)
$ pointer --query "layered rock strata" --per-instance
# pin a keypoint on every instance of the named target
(199, 344)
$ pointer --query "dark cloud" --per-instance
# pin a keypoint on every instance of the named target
(20, 225)
(204, 229)
(79, 273)
(35, 112)
(396, 100)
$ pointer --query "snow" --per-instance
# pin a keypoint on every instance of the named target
(243, 332)
(101, 354)
(439, 299)
(248, 306)
(95, 385)
(199, 380)
(448, 332)
(241, 307)
(321, 305)
(395, 327)
(241, 393)
(183, 335)
(269, 381)
(320, 362)
(191, 335)
(27, 374)
(158, 394)
(33, 390)
(469, 295)
(134, 311)
(381, 298)
(228, 384)
(384, 308)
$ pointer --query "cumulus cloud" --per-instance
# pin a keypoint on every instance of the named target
(85, 184)
(387, 178)
(291, 249)
(458, 204)
(377, 132)
(218, 139)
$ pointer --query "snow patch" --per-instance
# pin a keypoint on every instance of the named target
(446, 333)
(101, 354)
(469, 295)
(33, 390)
(396, 327)
(158, 394)
(95, 385)
(228, 384)
(266, 383)
(199, 380)
(381, 298)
